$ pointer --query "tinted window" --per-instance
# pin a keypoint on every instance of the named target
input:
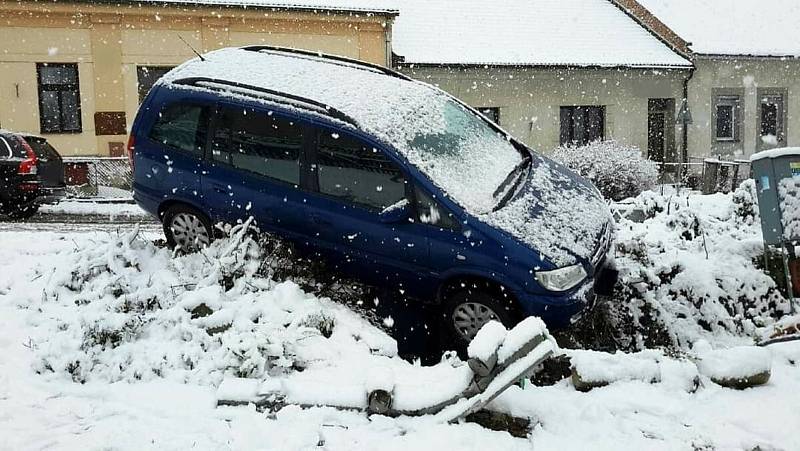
(430, 212)
(42, 149)
(182, 127)
(360, 174)
(259, 142)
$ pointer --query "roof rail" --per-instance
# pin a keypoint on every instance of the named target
(269, 94)
(327, 56)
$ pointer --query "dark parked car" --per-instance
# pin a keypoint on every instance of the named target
(31, 173)
(391, 179)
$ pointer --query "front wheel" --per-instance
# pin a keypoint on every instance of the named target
(186, 228)
(469, 309)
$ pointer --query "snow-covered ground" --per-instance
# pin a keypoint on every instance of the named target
(106, 308)
(87, 208)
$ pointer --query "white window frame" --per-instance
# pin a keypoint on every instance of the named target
(734, 103)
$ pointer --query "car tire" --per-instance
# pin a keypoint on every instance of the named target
(467, 309)
(23, 212)
(186, 228)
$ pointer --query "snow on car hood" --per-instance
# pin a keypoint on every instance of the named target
(555, 212)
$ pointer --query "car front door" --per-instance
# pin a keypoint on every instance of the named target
(358, 188)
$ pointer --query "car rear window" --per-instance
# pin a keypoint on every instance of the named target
(9, 148)
(181, 126)
(42, 148)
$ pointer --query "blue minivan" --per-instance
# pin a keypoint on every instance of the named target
(389, 179)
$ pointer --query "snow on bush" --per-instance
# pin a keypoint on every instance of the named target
(618, 171)
(691, 270)
(745, 200)
(126, 310)
(789, 191)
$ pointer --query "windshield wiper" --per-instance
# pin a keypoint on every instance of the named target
(509, 186)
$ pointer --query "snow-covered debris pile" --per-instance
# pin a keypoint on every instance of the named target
(617, 170)
(127, 310)
(692, 268)
(592, 369)
(737, 367)
(83, 208)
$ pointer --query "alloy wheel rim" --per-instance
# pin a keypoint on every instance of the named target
(189, 232)
(469, 317)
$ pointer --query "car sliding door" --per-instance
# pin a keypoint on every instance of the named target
(253, 168)
(355, 183)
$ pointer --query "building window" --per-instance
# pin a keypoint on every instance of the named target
(772, 122)
(493, 113)
(582, 124)
(147, 76)
(59, 98)
(727, 108)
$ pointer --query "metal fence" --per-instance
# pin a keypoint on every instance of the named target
(707, 174)
(93, 176)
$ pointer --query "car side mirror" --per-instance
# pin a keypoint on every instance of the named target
(399, 212)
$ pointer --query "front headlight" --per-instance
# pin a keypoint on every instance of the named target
(561, 279)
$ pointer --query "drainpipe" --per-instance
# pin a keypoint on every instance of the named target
(389, 62)
(685, 120)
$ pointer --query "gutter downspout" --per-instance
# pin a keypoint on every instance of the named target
(389, 60)
(685, 128)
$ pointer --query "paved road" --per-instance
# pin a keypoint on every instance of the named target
(80, 223)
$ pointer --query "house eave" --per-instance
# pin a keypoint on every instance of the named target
(570, 66)
(234, 4)
(753, 56)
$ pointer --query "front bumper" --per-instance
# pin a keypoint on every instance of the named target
(560, 310)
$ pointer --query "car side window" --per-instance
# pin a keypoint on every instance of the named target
(258, 142)
(181, 126)
(350, 169)
(429, 211)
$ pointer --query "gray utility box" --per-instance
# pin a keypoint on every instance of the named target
(777, 175)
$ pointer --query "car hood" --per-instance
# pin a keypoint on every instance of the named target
(556, 213)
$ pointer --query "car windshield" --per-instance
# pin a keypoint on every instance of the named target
(462, 154)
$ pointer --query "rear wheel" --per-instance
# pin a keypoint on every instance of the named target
(468, 309)
(186, 228)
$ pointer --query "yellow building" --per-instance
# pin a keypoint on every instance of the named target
(75, 71)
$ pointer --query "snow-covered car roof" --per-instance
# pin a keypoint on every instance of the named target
(727, 27)
(527, 32)
(405, 114)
